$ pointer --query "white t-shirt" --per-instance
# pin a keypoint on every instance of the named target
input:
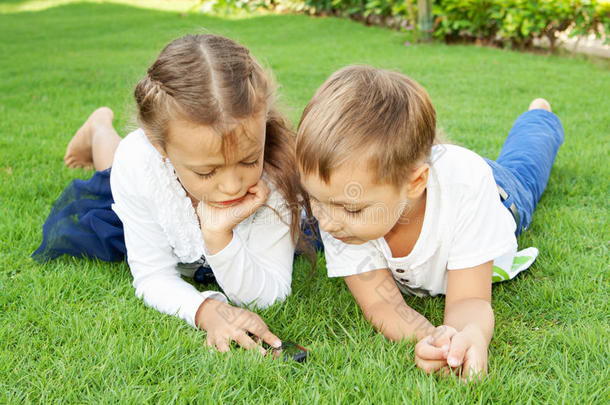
(465, 225)
(162, 232)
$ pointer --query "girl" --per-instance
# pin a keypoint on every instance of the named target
(401, 214)
(208, 184)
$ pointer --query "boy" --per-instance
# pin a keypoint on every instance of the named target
(399, 213)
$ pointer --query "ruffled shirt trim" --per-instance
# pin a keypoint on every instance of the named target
(175, 211)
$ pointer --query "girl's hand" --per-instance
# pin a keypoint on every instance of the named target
(431, 351)
(225, 323)
(217, 223)
(468, 353)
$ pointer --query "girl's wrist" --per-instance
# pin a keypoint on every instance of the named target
(215, 232)
(200, 317)
(215, 241)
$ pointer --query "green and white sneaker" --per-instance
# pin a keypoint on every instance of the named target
(522, 261)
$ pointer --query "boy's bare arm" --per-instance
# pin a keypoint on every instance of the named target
(383, 305)
(470, 319)
(468, 300)
(462, 341)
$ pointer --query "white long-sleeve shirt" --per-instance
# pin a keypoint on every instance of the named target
(162, 231)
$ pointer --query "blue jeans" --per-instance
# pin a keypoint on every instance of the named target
(523, 168)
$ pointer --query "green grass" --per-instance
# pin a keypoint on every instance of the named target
(74, 331)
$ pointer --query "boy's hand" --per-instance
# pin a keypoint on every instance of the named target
(468, 352)
(217, 222)
(449, 351)
(431, 351)
(225, 323)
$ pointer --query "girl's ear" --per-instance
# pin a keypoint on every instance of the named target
(417, 181)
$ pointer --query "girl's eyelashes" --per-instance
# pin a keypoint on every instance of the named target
(250, 163)
(206, 175)
(213, 172)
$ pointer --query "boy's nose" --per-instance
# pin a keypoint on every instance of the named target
(328, 225)
(325, 220)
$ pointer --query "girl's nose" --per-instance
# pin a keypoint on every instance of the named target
(231, 183)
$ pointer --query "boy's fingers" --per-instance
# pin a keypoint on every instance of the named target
(429, 366)
(426, 351)
(474, 366)
(442, 335)
(457, 350)
(447, 371)
(476, 376)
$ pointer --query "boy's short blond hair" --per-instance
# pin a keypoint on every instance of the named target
(381, 118)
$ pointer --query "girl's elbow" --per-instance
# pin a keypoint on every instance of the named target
(281, 293)
(284, 292)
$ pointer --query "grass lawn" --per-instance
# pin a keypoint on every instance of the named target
(74, 331)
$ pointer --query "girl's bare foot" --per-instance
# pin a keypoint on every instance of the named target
(540, 103)
(79, 152)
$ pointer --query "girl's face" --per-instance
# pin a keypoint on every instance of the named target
(206, 174)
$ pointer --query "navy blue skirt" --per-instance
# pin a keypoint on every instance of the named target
(83, 224)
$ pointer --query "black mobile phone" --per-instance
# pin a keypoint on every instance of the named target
(291, 351)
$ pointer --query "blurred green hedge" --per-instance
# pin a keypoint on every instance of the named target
(518, 22)
(514, 23)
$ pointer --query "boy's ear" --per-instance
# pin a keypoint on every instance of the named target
(418, 179)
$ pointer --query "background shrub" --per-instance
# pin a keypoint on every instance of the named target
(514, 23)
(518, 22)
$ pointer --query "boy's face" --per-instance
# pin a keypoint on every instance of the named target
(352, 207)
